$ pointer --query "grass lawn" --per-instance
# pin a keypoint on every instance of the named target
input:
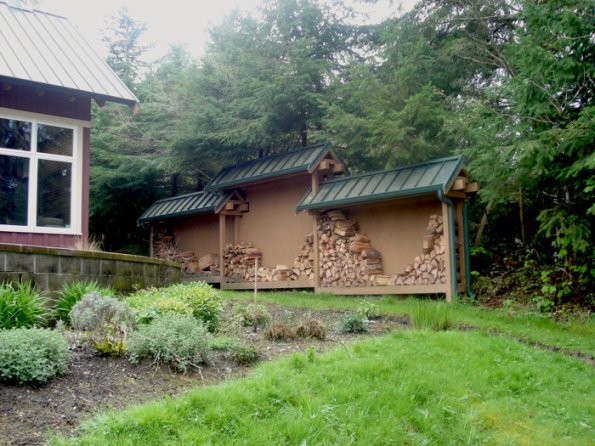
(409, 387)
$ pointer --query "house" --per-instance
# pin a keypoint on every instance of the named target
(48, 77)
(299, 220)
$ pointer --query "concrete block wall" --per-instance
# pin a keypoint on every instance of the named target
(49, 268)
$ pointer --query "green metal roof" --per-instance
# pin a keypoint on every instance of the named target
(302, 160)
(184, 205)
(416, 179)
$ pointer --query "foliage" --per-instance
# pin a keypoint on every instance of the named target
(224, 342)
(177, 340)
(278, 332)
(253, 315)
(244, 354)
(21, 305)
(71, 293)
(353, 323)
(368, 310)
(432, 315)
(410, 387)
(32, 355)
(196, 298)
(311, 328)
(107, 321)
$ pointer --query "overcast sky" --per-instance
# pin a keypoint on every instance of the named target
(174, 21)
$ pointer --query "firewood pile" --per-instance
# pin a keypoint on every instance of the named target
(303, 265)
(240, 262)
(428, 268)
(347, 257)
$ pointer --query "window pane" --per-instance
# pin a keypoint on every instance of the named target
(14, 190)
(53, 194)
(54, 140)
(15, 134)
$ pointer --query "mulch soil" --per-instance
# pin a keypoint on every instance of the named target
(94, 383)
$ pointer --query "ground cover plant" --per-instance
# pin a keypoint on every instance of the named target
(21, 305)
(32, 355)
(411, 387)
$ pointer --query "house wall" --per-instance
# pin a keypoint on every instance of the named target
(396, 228)
(198, 234)
(53, 104)
(272, 224)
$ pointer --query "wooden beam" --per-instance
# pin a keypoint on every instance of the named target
(338, 168)
(447, 250)
(316, 252)
(462, 280)
(276, 285)
(380, 290)
(472, 188)
(221, 245)
(244, 207)
(460, 183)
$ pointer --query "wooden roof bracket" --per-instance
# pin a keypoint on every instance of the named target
(234, 205)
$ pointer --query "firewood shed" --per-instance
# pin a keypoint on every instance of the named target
(312, 225)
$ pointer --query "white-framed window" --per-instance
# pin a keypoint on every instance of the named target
(40, 173)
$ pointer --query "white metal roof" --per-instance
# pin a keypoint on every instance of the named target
(46, 49)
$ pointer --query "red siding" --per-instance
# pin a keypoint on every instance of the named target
(48, 240)
(50, 103)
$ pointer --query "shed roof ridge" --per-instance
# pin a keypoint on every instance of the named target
(394, 169)
(177, 197)
(276, 155)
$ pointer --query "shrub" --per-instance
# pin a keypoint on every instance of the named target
(368, 310)
(71, 293)
(21, 305)
(148, 304)
(254, 315)
(278, 332)
(180, 341)
(196, 298)
(224, 343)
(32, 355)
(436, 316)
(106, 320)
(311, 328)
(244, 354)
(351, 323)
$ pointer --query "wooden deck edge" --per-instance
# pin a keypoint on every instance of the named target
(278, 285)
(391, 289)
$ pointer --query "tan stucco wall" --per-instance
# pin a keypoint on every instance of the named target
(199, 234)
(396, 228)
(272, 224)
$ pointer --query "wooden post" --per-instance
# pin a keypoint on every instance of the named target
(316, 265)
(462, 281)
(151, 249)
(447, 250)
(221, 245)
(255, 278)
(236, 230)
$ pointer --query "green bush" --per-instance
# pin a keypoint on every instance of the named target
(71, 293)
(244, 354)
(368, 310)
(32, 355)
(179, 341)
(253, 315)
(197, 298)
(106, 320)
(352, 323)
(148, 304)
(21, 305)
(435, 316)
(224, 343)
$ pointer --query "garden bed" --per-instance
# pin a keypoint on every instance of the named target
(94, 383)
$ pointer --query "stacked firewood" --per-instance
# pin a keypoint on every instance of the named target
(346, 255)
(303, 265)
(240, 261)
(428, 268)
